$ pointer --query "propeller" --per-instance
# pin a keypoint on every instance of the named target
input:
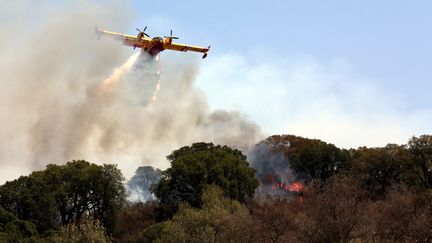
(143, 31)
(171, 36)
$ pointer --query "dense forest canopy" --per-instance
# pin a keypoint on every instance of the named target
(65, 194)
(286, 189)
(194, 167)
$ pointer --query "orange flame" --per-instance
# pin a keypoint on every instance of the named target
(276, 185)
(294, 187)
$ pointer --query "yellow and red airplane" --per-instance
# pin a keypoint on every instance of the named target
(152, 45)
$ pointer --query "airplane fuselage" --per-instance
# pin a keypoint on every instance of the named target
(154, 45)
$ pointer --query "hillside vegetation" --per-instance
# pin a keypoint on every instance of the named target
(286, 189)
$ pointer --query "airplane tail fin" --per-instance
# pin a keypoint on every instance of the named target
(205, 53)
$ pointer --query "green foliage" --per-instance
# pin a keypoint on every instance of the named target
(13, 229)
(377, 169)
(62, 194)
(311, 158)
(421, 149)
(197, 225)
(30, 198)
(207, 185)
(202, 164)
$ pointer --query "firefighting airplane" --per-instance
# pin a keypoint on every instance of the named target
(151, 45)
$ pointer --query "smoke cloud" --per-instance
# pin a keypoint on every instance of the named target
(65, 95)
(139, 186)
(277, 178)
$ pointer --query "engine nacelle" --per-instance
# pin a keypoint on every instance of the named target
(140, 35)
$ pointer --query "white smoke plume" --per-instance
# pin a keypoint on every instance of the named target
(139, 186)
(65, 95)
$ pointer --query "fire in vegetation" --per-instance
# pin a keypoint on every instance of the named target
(273, 169)
(277, 184)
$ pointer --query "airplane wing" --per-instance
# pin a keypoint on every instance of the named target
(182, 47)
(127, 40)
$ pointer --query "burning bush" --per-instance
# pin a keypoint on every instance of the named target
(277, 178)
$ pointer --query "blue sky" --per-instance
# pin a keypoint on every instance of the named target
(387, 40)
(379, 51)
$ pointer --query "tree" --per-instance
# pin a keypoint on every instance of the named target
(108, 195)
(193, 167)
(191, 224)
(377, 169)
(87, 230)
(30, 198)
(63, 194)
(421, 149)
(13, 229)
(311, 158)
(404, 216)
(134, 218)
(275, 221)
(333, 212)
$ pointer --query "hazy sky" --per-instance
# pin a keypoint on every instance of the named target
(352, 73)
(349, 72)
